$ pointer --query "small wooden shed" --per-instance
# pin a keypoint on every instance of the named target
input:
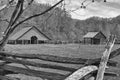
(94, 38)
(28, 35)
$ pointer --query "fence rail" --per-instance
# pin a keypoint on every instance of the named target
(25, 59)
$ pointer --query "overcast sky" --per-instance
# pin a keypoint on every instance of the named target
(99, 8)
(109, 9)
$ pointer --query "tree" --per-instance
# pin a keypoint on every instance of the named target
(19, 9)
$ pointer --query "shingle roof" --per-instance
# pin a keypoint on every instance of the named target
(19, 33)
(90, 34)
(24, 31)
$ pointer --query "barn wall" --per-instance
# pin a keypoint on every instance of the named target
(98, 39)
(87, 40)
(101, 37)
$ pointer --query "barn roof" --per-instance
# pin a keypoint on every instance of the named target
(90, 35)
(19, 33)
(23, 31)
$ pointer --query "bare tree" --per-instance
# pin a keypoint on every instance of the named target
(16, 15)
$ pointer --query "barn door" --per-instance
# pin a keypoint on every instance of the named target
(96, 41)
(34, 40)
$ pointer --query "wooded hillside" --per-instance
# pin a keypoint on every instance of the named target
(59, 25)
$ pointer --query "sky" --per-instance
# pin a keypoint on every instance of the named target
(99, 8)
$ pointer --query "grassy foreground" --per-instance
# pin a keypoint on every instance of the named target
(67, 50)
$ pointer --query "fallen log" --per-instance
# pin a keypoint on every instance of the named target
(82, 72)
(112, 74)
(8, 78)
(35, 64)
(35, 73)
(105, 58)
(14, 70)
(58, 59)
(87, 72)
(3, 72)
(114, 53)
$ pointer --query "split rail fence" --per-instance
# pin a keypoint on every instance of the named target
(89, 66)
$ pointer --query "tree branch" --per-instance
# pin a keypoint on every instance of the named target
(11, 26)
(6, 5)
(15, 16)
(36, 15)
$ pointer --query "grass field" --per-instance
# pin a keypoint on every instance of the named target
(68, 50)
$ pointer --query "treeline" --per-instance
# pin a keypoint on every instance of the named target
(58, 24)
(106, 25)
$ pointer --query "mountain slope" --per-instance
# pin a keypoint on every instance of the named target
(59, 25)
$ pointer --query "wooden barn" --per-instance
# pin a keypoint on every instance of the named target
(28, 35)
(94, 38)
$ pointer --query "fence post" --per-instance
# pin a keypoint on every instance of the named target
(105, 57)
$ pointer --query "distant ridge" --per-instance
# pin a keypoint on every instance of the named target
(63, 27)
